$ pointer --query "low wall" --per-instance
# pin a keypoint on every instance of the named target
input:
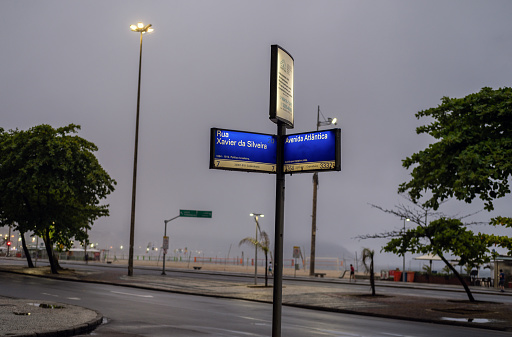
(439, 279)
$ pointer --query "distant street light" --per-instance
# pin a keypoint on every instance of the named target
(256, 216)
(319, 123)
(142, 29)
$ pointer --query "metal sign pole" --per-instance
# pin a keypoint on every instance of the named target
(279, 229)
(165, 235)
(163, 246)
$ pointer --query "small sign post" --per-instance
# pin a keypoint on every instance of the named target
(296, 252)
(165, 244)
(296, 255)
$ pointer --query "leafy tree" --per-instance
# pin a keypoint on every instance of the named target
(442, 236)
(472, 156)
(473, 153)
(263, 244)
(367, 258)
(51, 184)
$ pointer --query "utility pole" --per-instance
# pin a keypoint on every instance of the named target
(319, 123)
(313, 225)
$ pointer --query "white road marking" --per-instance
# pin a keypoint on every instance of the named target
(336, 333)
(118, 292)
(50, 294)
(74, 298)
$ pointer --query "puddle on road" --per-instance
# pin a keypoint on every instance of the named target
(470, 320)
(46, 306)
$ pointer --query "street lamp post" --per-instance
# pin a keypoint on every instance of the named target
(319, 123)
(256, 216)
(142, 29)
(403, 267)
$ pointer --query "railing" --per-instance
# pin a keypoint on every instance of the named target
(321, 263)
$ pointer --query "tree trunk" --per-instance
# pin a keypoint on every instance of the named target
(372, 277)
(25, 250)
(49, 252)
(266, 269)
(461, 280)
(56, 262)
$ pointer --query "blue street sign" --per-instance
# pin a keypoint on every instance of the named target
(242, 151)
(313, 151)
(256, 152)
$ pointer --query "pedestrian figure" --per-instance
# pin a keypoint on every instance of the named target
(352, 274)
(270, 267)
(502, 280)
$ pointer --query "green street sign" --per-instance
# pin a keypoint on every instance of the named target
(195, 214)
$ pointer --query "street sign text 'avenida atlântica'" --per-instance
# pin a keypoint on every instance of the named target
(313, 151)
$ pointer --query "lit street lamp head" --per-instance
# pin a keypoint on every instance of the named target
(139, 27)
(329, 121)
(257, 215)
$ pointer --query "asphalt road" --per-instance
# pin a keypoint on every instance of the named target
(457, 294)
(136, 312)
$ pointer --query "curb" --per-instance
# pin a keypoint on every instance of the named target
(80, 329)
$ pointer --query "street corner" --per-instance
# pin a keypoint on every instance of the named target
(25, 317)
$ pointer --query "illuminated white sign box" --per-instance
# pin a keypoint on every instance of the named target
(281, 86)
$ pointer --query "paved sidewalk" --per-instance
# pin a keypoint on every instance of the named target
(22, 317)
(324, 296)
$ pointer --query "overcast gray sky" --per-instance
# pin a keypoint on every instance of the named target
(372, 64)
